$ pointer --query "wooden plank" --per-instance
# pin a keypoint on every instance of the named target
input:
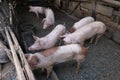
(113, 2)
(22, 57)
(107, 21)
(86, 5)
(104, 10)
(19, 71)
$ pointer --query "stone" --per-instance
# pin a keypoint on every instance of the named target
(116, 36)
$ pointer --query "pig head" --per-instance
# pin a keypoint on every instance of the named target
(67, 38)
(32, 60)
(38, 44)
(46, 23)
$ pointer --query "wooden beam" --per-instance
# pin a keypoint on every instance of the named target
(28, 72)
(113, 2)
(19, 71)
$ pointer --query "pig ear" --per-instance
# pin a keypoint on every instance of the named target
(34, 60)
(35, 37)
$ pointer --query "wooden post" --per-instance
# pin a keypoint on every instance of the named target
(19, 71)
(22, 57)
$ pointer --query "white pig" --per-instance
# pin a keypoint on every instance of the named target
(36, 10)
(49, 20)
(86, 32)
(55, 55)
(81, 23)
(49, 40)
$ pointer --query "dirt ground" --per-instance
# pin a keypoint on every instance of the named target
(102, 62)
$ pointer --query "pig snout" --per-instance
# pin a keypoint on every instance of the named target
(33, 47)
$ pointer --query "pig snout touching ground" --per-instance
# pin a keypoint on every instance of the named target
(49, 40)
(36, 10)
(88, 31)
(49, 20)
(48, 58)
(81, 23)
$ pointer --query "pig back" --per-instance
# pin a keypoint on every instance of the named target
(57, 31)
(91, 29)
(66, 53)
(83, 22)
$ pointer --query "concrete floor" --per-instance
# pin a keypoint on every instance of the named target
(102, 62)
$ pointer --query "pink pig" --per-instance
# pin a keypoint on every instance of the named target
(49, 40)
(36, 10)
(81, 23)
(46, 59)
(49, 20)
(86, 32)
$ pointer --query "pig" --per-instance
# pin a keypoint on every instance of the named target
(49, 40)
(48, 58)
(49, 20)
(36, 10)
(81, 23)
(88, 31)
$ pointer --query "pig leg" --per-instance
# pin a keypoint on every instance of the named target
(78, 67)
(98, 37)
(91, 40)
(37, 14)
(79, 60)
(49, 69)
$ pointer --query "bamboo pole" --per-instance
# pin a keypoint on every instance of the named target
(22, 57)
(20, 74)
